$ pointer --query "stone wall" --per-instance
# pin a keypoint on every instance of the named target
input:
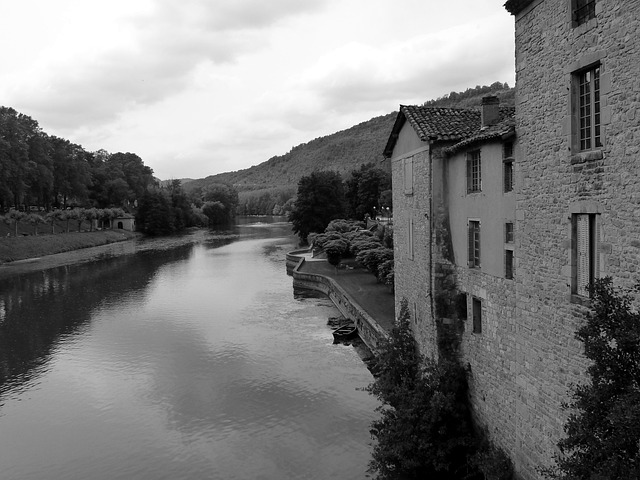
(553, 181)
(368, 329)
(412, 265)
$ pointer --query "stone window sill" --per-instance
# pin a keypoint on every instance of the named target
(580, 300)
(583, 157)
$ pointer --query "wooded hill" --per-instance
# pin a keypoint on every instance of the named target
(342, 151)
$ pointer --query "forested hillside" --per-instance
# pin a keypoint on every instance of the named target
(265, 188)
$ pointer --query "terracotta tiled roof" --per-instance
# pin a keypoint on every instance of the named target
(437, 123)
(434, 123)
(505, 126)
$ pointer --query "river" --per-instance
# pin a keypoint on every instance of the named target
(178, 360)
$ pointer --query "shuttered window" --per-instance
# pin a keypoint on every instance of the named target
(474, 244)
(586, 258)
(410, 239)
(408, 175)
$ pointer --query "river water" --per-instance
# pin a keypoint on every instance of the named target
(178, 361)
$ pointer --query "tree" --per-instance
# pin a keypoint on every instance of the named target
(425, 427)
(363, 190)
(224, 194)
(155, 215)
(35, 220)
(603, 430)
(320, 199)
(216, 212)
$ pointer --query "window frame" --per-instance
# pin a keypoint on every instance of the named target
(474, 243)
(507, 167)
(474, 172)
(476, 314)
(509, 264)
(582, 11)
(585, 259)
(587, 111)
(509, 232)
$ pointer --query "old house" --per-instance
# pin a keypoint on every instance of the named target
(455, 215)
(578, 206)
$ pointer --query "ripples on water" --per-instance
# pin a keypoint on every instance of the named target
(190, 363)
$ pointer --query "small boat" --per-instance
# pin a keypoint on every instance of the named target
(344, 332)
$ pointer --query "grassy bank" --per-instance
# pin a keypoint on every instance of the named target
(34, 246)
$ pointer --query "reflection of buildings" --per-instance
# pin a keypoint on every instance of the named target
(509, 269)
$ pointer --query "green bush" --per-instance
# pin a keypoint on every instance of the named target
(425, 427)
(373, 258)
(603, 430)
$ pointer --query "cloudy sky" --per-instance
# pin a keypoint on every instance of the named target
(198, 87)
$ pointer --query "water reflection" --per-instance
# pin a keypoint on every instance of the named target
(193, 362)
(41, 308)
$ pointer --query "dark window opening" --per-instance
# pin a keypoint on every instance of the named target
(583, 11)
(476, 309)
(508, 264)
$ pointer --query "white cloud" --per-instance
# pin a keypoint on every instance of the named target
(198, 87)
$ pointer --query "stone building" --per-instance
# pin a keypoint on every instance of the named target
(509, 269)
(578, 204)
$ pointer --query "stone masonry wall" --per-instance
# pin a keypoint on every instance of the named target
(412, 272)
(554, 181)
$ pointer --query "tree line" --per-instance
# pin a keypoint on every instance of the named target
(48, 179)
(37, 169)
(324, 196)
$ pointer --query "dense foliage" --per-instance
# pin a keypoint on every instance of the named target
(162, 211)
(40, 170)
(603, 431)
(363, 189)
(425, 428)
(320, 199)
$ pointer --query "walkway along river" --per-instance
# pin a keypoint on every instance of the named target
(173, 362)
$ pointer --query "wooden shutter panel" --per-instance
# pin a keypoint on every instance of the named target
(582, 245)
(469, 174)
(470, 244)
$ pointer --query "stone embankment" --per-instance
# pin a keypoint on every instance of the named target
(355, 292)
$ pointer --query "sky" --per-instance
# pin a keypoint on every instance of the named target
(199, 87)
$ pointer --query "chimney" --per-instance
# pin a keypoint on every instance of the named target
(490, 110)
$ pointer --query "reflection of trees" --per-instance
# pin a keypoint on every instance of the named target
(37, 309)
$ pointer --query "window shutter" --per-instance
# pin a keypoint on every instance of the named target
(470, 242)
(469, 174)
(408, 176)
(596, 246)
(583, 266)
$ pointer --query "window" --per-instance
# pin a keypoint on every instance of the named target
(407, 166)
(474, 172)
(508, 264)
(583, 11)
(508, 176)
(476, 310)
(410, 240)
(474, 244)
(586, 264)
(508, 232)
(588, 83)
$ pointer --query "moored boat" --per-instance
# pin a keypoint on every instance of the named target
(344, 332)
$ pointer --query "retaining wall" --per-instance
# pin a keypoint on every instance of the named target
(368, 329)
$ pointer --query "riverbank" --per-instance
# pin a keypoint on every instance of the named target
(35, 246)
